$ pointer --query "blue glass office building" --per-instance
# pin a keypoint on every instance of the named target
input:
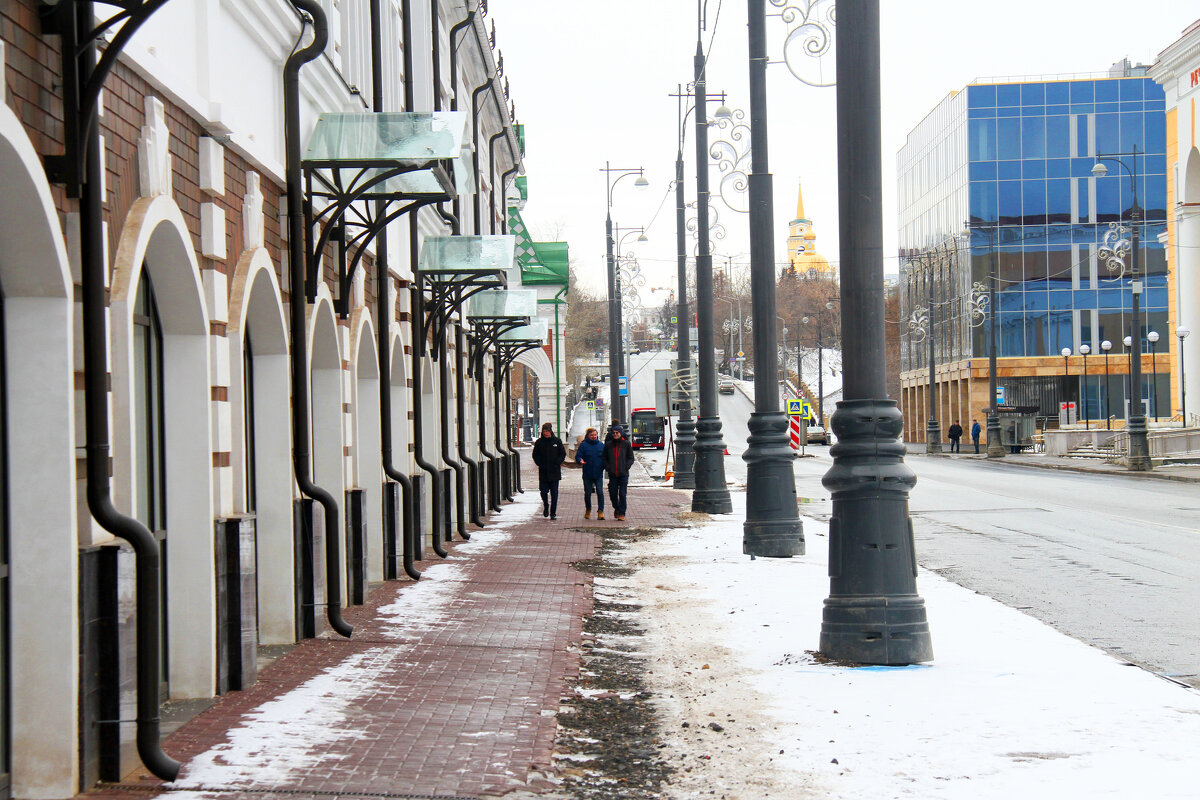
(1004, 171)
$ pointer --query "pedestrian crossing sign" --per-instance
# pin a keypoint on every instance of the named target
(795, 408)
(591, 405)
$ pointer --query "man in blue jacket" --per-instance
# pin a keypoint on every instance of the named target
(590, 454)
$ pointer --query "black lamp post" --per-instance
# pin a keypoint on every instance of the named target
(614, 299)
(772, 526)
(820, 362)
(711, 495)
(1083, 392)
(873, 613)
(685, 426)
(1106, 345)
(1152, 338)
(1066, 354)
(1182, 332)
(1111, 253)
(933, 430)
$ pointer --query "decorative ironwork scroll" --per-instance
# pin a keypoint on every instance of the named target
(731, 150)
(808, 48)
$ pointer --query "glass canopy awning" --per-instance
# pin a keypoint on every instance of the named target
(364, 170)
(494, 313)
(454, 269)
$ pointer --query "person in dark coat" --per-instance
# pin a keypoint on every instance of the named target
(590, 454)
(616, 425)
(618, 458)
(955, 436)
(975, 431)
(549, 454)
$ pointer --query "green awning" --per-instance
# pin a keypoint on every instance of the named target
(541, 263)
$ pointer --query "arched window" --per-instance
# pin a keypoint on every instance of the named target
(150, 473)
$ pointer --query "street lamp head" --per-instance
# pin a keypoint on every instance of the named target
(641, 182)
(723, 112)
(1084, 349)
(805, 320)
(1066, 351)
(829, 305)
(1152, 336)
(1106, 345)
(643, 238)
(1182, 332)
(1128, 341)
(1099, 170)
(785, 331)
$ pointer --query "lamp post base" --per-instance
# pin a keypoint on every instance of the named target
(685, 456)
(995, 448)
(873, 614)
(711, 495)
(772, 528)
(1139, 445)
(933, 436)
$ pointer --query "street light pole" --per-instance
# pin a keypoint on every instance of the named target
(1153, 337)
(1083, 396)
(772, 528)
(614, 299)
(1106, 345)
(873, 614)
(685, 427)
(711, 495)
(1066, 354)
(1182, 332)
(933, 431)
(1139, 446)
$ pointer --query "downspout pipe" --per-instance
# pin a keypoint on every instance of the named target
(296, 265)
(498, 385)
(460, 406)
(448, 445)
(491, 482)
(419, 351)
(383, 324)
(477, 201)
(99, 488)
(495, 137)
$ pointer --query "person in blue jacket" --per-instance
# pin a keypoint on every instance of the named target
(590, 454)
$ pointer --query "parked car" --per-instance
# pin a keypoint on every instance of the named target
(726, 385)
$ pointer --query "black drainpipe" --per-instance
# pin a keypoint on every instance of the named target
(418, 314)
(499, 386)
(383, 325)
(491, 478)
(296, 304)
(99, 490)
(495, 137)
(477, 199)
(460, 405)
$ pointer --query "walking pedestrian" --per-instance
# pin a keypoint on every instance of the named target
(618, 458)
(616, 425)
(955, 436)
(549, 454)
(975, 431)
(590, 454)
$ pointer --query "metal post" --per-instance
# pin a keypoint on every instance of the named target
(873, 613)
(1083, 398)
(1106, 345)
(820, 373)
(1139, 447)
(933, 431)
(685, 428)
(614, 326)
(1182, 332)
(1152, 336)
(711, 494)
(995, 448)
(772, 526)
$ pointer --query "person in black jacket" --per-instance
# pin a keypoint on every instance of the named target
(618, 458)
(549, 454)
(616, 425)
(955, 435)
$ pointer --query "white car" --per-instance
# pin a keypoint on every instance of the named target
(817, 435)
(725, 386)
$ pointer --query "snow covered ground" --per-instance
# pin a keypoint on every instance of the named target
(1009, 708)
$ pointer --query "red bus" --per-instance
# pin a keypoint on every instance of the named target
(647, 429)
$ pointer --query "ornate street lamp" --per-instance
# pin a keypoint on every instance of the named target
(614, 309)
(873, 614)
(1083, 393)
(1106, 345)
(711, 494)
(1066, 354)
(1112, 253)
(1182, 332)
(1152, 337)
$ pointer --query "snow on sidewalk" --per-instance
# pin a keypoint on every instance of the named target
(1009, 708)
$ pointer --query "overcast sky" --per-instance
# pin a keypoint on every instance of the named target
(592, 84)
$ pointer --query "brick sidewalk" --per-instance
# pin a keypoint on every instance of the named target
(449, 686)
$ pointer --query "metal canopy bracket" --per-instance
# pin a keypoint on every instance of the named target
(399, 160)
(495, 313)
(453, 269)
